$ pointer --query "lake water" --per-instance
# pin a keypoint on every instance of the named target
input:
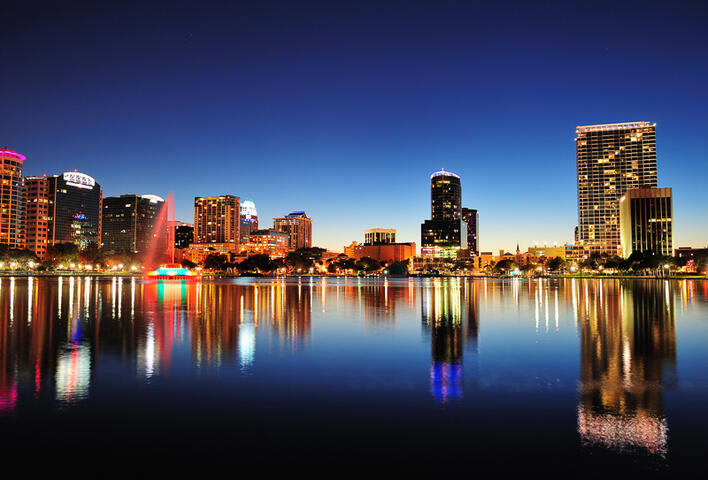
(556, 375)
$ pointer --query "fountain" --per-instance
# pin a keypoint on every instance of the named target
(159, 257)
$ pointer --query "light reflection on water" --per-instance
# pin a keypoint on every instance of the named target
(613, 342)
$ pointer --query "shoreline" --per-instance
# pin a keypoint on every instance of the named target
(486, 277)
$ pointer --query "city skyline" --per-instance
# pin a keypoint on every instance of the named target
(497, 104)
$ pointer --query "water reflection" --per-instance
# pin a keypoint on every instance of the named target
(449, 316)
(628, 357)
(63, 339)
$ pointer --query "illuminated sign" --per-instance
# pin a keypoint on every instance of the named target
(80, 180)
(153, 198)
(80, 216)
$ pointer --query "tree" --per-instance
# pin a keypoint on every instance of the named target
(504, 266)
(215, 262)
(589, 264)
(398, 268)
(62, 254)
(367, 264)
(20, 258)
(257, 263)
(555, 264)
(529, 267)
(299, 260)
(616, 263)
(188, 264)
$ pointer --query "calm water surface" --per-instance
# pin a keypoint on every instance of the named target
(568, 376)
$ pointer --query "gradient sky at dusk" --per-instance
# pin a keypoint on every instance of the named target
(344, 109)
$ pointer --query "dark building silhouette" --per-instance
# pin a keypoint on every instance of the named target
(129, 222)
(184, 236)
(445, 233)
(471, 218)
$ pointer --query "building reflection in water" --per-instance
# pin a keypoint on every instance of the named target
(628, 356)
(221, 320)
(450, 318)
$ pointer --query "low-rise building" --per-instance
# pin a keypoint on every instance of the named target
(271, 242)
(387, 253)
(197, 252)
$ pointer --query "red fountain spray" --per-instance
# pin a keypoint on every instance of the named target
(162, 248)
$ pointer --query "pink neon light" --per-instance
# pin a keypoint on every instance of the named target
(12, 153)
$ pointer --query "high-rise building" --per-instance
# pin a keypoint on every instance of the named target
(63, 208)
(445, 233)
(611, 159)
(248, 219)
(298, 226)
(379, 236)
(37, 214)
(471, 218)
(646, 221)
(11, 199)
(216, 219)
(76, 217)
(130, 221)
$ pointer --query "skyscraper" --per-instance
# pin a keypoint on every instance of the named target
(646, 221)
(11, 199)
(63, 208)
(129, 223)
(445, 233)
(299, 228)
(37, 214)
(445, 196)
(611, 159)
(76, 216)
(248, 219)
(216, 219)
(471, 218)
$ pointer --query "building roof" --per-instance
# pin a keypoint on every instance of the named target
(443, 173)
(612, 126)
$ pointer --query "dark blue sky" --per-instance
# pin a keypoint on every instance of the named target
(344, 109)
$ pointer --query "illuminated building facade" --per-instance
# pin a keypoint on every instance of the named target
(76, 217)
(129, 222)
(646, 221)
(471, 218)
(298, 226)
(445, 234)
(611, 159)
(37, 214)
(216, 219)
(379, 236)
(548, 252)
(63, 208)
(248, 219)
(268, 241)
(383, 252)
(11, 199)
(198, 252)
